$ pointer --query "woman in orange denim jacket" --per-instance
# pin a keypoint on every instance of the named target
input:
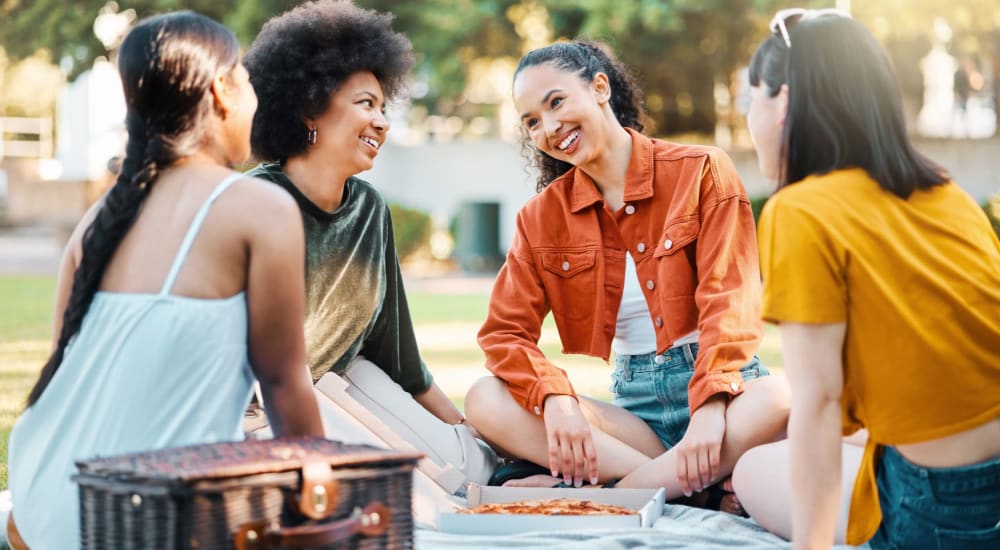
(637, 246)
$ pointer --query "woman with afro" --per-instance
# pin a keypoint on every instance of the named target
(323, 73)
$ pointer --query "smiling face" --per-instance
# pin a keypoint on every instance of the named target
(562, 114)
(353, 128)
(766, 120)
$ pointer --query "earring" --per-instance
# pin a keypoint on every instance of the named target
(311, 136)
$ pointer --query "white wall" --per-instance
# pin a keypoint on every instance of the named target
(438, 177)
(91, 123)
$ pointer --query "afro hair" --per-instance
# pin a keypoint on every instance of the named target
(301, 57)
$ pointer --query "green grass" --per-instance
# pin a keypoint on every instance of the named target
(19, 364)
(448, 308)
(25, 325)
(26, 312)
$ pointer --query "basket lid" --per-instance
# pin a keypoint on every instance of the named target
(240, 458)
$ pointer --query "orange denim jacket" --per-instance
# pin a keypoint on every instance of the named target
(688, 225)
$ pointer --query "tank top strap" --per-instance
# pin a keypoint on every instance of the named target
(192, 232)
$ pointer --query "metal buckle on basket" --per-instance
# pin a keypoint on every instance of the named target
(373, 520)
(319, 495)
(319, 499)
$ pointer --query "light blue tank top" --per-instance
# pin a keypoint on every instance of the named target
(145, 371)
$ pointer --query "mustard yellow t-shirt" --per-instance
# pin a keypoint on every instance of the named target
(918, 283)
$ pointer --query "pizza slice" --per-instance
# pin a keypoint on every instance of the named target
(551, 507)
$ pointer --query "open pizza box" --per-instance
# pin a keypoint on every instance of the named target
(647, 502)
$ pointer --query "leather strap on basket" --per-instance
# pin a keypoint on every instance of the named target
(372, 521)
(320, 492)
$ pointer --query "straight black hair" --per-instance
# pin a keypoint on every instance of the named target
(844, 106)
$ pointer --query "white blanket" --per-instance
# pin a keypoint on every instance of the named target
(680, 527)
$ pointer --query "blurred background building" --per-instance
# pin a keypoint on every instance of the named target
(454, 168)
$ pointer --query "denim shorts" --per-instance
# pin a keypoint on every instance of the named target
(937, 508)
(654, 387)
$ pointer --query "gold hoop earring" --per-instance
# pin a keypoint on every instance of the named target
(311, 136)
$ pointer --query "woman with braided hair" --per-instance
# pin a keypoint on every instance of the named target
(169, 299)
(637, 246)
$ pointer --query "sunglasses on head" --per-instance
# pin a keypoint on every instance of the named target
(787, 18)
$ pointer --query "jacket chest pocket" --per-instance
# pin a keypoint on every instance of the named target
(570, 281)
(674, 257)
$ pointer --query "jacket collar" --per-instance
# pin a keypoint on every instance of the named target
(638, 179)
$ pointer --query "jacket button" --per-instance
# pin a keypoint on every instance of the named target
(565, 266)
(659, 359)
(735, 386)
(629, 209)
(659, 322)
(641, 247)
(650, 284)
(668, 244)
(538, 411)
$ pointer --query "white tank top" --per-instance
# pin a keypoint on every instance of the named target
(634, 333)
(145, 371)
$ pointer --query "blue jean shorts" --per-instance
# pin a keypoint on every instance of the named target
(654, 387)
(937, 508)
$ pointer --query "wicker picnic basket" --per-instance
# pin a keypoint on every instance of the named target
(248, 495)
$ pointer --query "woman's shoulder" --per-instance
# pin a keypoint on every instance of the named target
(825, 191)
(671, 150)
(364, 192)
(825, 200)
(252, 193)
(710, 165)
(555, 198)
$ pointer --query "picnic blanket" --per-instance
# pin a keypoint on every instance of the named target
(680, 527)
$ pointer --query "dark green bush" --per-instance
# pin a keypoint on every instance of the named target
(411, 227)
(757, 204)
(992, 209)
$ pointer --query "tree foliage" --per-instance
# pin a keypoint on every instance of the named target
(681, 50)
(66, 29)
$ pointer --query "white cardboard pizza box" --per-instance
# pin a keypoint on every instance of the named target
(648, 503)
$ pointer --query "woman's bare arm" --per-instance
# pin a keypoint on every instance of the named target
(812, 358)
(275, 303)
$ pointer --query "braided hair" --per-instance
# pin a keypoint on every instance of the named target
(167, 64)
(585, 58)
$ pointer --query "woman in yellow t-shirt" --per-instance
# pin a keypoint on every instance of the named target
(884, 277)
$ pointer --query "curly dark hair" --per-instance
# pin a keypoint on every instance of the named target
(585, 58)
(167, 64)
(301, 57)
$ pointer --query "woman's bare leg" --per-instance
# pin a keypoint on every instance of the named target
(623, 441)
(764, 486)
(757, 416)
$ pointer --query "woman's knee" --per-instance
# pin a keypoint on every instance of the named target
(771, 394)
(485, 399)
(756, 465)
(761, 482)
(748, 462)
